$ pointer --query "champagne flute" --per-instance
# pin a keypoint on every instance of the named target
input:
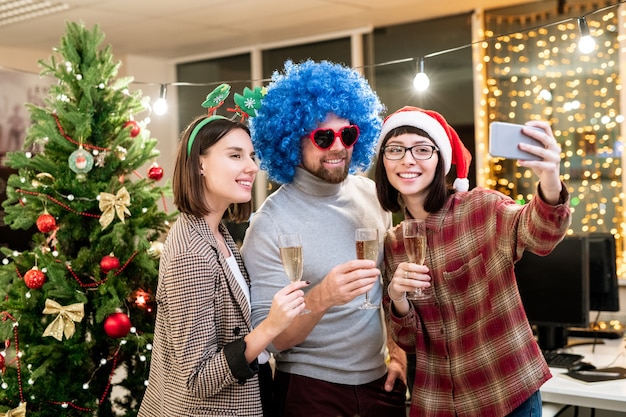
(367, 248)
(290, 246)
(414, 233)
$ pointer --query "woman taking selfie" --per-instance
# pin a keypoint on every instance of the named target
(475, 354)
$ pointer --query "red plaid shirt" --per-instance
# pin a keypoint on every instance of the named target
(475, 351)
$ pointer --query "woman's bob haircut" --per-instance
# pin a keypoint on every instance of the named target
(188, 184)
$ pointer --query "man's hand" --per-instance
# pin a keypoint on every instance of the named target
(397, 367)
(395, 370)
(347, 281)
(343, 283)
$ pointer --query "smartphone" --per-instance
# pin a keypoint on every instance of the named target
(504, 139)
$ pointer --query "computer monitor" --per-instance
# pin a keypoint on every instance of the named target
(603, 284)
(555, 290)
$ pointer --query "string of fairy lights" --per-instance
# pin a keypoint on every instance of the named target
(550, 72)
(421, 81)
(574, 62)
(565, 70)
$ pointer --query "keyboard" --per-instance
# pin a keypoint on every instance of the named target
(612, 329)
(561, 360)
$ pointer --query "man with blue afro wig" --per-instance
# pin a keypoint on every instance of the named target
(315, 132)
(301, 98)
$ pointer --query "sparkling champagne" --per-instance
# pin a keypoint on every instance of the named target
(292, 262)
(367, 249)
(415, 247)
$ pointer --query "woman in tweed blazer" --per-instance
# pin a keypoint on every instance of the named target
(204, 360)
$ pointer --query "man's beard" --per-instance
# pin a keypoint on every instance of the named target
(331, 176)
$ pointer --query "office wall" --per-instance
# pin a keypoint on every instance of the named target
(149, 74)
(19, 59)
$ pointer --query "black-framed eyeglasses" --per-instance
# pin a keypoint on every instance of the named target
(420, 152)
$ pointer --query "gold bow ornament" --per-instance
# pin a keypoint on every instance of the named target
(16, 412)
(63, 324)
(111, 204)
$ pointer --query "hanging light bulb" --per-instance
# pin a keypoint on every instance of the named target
(160, 106)
(421, 81)
(586, 44)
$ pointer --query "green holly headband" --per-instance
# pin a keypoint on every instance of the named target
(246, 105)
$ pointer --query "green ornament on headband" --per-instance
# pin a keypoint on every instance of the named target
(246, 105)
(250, 101)
(213, 101)
(216, 98)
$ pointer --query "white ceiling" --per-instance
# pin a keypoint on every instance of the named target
(172, 29)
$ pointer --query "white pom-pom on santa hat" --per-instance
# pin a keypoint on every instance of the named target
(451, 149)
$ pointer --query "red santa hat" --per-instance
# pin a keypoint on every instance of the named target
(451, 149)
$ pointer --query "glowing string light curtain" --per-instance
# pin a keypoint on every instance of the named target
(539, 73)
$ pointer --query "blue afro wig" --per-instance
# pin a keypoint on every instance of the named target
(298, 100)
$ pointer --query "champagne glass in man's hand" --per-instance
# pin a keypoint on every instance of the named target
(367, 248)
(414, 233)
(290, 246)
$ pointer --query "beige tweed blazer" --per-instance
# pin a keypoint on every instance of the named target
(200, 309)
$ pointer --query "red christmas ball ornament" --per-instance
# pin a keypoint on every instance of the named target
(117, 325)
(134, 128)
(2, 362)
(155, 172)
(109, 263)
(46, 223)
(34, 278)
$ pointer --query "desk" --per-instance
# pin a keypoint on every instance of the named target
(610, 395)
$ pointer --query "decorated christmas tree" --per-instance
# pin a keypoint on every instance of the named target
(77, 309)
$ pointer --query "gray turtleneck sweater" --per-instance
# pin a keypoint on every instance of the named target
(347, 345)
